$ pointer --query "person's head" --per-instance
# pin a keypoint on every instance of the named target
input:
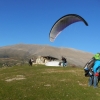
(97, 56)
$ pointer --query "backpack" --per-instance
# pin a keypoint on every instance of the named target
(89, 65)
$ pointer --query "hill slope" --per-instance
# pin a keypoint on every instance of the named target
(25, 51)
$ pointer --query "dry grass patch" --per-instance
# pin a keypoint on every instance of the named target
(17, 77)
(56, 71)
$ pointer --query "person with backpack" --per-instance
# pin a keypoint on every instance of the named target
(96, 70)
(31, 61)
(92, 69)
(64, 61)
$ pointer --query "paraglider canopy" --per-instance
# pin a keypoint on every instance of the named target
(62, 23)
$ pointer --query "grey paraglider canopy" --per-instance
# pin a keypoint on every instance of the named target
(62, 23)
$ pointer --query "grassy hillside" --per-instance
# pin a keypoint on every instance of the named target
(45, 83)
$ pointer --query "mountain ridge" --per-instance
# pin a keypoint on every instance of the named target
(74, 56)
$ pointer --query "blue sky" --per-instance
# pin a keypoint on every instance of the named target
(30, 22)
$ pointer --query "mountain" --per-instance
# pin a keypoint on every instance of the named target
(26, 51)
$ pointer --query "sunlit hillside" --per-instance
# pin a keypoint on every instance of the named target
(23, 52)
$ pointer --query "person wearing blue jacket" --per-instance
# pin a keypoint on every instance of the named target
(96, 70)
(92, 69)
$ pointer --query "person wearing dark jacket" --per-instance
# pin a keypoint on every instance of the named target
(31, 61)
(64, 61)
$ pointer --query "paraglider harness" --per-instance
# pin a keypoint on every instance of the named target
(88, 68)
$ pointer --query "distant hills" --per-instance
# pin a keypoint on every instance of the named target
(25, 51)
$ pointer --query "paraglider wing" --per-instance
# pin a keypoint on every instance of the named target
(62, 23)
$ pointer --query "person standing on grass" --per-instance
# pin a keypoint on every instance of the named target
(31, 61)
(64, 61)
(94, 71)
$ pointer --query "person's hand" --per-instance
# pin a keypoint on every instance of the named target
(96, 74)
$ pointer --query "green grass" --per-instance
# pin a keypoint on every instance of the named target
(45, 83)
